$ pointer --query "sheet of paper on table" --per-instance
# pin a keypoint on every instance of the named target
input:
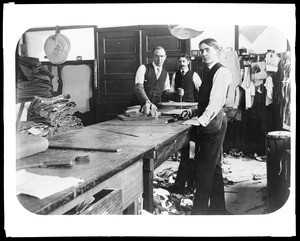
(177, 105)
(172, 112)
(42, 186)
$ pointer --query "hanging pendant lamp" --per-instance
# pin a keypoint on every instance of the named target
(184, 32)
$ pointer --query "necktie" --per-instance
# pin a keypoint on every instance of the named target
(182, 74)
(158, 73)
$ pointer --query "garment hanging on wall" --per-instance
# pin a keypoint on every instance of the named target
(285, 67)
(246, 85)
(252, 92)
(259, 112)
(230, 60)
(258, 72)
(269, 87)
(286, 105)
(263, 114)
(262, 78)
(272, 61)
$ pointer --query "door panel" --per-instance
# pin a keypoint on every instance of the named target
(120, 52)
(115, 66)
(119, 55)
(153, 40)
(162, 37)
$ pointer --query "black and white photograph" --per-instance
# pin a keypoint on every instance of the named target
(149, 120)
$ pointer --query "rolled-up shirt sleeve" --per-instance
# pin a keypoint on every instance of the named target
(221, 82)
(197, 81)
(139, 90)
(140, 75)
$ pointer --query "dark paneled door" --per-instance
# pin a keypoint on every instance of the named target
(162, 37)
(119, 57)
(120, 53)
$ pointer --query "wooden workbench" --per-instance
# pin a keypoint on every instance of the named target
(164, 139)
(130, 170)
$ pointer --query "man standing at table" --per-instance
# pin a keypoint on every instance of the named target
(189, 81)
(186, 79)
(152, 82)
(211, 125)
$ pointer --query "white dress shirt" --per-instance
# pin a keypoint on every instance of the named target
(218, 94)
(140, 76)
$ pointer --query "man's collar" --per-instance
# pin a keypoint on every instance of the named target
(212, 64)
(155, 66)
(184, 70)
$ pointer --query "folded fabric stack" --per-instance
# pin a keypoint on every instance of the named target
(133, 111)
(32, 79)
(56, 112)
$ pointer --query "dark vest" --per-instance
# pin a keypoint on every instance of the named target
(186, 82)
(154, 87)
(205, 88)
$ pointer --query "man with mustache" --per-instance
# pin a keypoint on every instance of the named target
(185, 83)
(186, 79)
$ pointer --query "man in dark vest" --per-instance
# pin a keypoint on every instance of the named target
(189, 81)
(210, 126)
(186, 79)
(151, 83)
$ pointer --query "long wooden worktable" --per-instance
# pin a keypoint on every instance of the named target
(143, 145)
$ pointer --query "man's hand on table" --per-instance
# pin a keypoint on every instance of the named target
(149, 109)
(193, 122)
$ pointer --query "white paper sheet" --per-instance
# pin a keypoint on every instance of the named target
(42, 186)
(172, 112)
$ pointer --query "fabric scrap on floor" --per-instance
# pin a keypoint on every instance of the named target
(244, 186)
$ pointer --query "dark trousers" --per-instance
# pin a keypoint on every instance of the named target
(209, 195)
(186, 173)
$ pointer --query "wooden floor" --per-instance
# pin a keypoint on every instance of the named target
(246, 192)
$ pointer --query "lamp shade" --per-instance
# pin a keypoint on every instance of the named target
(184, 32)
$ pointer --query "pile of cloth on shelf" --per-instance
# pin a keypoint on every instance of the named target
(48, 116)
(33, 79)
